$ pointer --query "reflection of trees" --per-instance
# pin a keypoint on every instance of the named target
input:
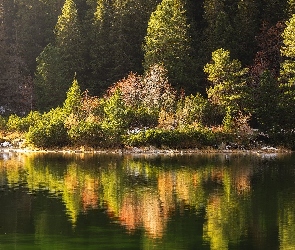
(142, 194)
(286, 222)
(287, 227)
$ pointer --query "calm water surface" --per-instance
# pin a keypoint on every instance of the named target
(214, 201)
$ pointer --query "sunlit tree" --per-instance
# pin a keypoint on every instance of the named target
(228, 84)
(59, 60)
(168, 42)
(287, 74)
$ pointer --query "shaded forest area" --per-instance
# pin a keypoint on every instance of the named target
(226, 66)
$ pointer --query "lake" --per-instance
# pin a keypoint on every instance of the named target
(199, 201)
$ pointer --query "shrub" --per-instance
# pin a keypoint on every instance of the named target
(191, 109)
(116, 119)
(49, 131)
(190, 138)
(86, 133)
(14, 123)
(22, 124)
(3, 122)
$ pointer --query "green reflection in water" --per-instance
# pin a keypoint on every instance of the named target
(213, 201)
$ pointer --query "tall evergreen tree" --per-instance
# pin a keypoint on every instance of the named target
(218, 31)
(246, 26)
(118, 33)
(68, 38)
(35, 21)
(288, 52)
(12, 76)
(168, 42)
(287, 74)
(228, 81)
(58, 62)
(291, 7)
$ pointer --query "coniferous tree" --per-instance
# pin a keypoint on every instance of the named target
(68, 38)
(12, 76)
(59, 61)
(74, 98)
(100, 51)
(287, 74)
(35, 23)
(246, 27)
(118, 30)
(291, 7)
(228, 82)
(288, 52)
(218, 31)
(168, 42)
(49, 84)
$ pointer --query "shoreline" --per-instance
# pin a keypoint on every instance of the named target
(146, 151)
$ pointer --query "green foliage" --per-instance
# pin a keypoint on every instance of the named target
(50, 88)
(287, 76)
(116, 120)
(87, 133)
(288, 51)
(14, 123)
(50, 130)
(3, 122)
(22, 124)
(178, 139)
(73, 100)
(192, 110)
(218, 31)
(168, 42)
(266, 102)
(228, 80)
(227, 121)
(141, 117)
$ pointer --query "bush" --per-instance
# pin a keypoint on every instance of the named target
(22, 124)
(14, 123)
(191, 109)
(86, 133)
(3, 122)
(50, 130)
(190, 138)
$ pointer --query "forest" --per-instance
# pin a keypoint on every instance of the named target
(163, 73)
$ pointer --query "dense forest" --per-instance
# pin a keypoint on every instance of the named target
(108, 67)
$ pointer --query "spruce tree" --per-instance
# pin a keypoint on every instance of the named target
(218, 31)
(73, 100)
(288, 53)
(59, 61)
(168, 42)
(118, 30)
(287, 74)
(228, 81)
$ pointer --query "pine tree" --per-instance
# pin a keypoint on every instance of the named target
(68, 37)
(74, 97)
(168, 42)
(246, 27)
(287, 74)
(288, 52)
(291, 7)
(50, 89)
(228, 86)
(35, 21)
(118, 30)
(59, 61)
(13, 67)
(218, 32)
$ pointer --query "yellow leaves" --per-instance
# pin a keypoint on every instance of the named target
(288, 35)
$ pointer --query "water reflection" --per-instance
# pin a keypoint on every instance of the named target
(225, 201)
